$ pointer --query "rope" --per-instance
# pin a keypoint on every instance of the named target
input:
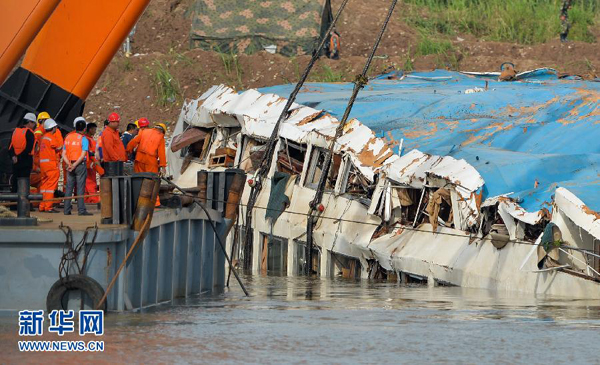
(52, 200)
(272, 142)
(359, 82)
(71, 254)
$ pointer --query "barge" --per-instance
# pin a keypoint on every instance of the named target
(179, 256)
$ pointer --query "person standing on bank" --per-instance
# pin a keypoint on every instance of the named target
(22, 148)
(75, 153)
(565, 25)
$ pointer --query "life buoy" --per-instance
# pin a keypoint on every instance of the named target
(91, 287)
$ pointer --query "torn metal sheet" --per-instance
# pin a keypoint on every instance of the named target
(188, 137)
(578, 212)
(257, 114)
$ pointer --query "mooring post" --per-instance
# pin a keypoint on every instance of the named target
(23, 206)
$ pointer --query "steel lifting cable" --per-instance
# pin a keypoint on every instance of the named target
(360, 82)
(403, 228)
(272, 142)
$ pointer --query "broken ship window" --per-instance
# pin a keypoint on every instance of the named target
(354, 183)
(316, 166)
(409, 198)
(225, 146)
(253, 152)
(301, 255)
(291, 157)
(274, 255)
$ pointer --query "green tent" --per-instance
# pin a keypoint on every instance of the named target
(248, 26)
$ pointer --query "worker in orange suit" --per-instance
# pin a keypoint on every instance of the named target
(91, 184)
(51, 145)
(112, 146)
(149, 147)
(35, 179)
(40, 129)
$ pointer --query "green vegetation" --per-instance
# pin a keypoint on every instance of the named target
(408, 62)
(180, 57)
(327, 74)
(521, 21)
(430, 44)
(167, 87)
(231, 64)
(127, 65)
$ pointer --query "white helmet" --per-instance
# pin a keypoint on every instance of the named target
(30, 117)
(77, 120)
(49, 124)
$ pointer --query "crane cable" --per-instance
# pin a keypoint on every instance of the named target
(360, 82)
(263, 168)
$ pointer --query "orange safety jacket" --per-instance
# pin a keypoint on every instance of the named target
(73, 147)
(334, 42)
(18, 142)
(39, 131)
(112, 146)
(149, 143)
(49, 147)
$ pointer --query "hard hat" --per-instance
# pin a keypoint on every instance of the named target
(30, 117)
(77, 120)
(114, 117)
(136, 123)
(161, 125)
(42, 116)
(49, 124)
(143, 122)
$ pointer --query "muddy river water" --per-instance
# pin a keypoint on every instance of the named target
(302, 320)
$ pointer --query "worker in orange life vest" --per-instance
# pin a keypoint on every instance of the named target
(75, 153)
(64, 163)
(150, 155)
(91, 184)
(21, 149)
(51, 144)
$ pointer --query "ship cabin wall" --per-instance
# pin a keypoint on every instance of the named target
(343, 221)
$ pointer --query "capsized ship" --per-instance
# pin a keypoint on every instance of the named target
(454, 178)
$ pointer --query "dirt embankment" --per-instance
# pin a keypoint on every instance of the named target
(162, 39)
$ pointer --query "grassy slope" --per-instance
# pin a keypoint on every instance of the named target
(459, 34)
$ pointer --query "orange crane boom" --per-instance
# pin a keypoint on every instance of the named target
(20, 22)
(77, 41)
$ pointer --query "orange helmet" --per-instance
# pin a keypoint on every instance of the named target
(114, 117)
(143, 122)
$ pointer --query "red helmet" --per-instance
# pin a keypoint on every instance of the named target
(114, 117)
(143, 122)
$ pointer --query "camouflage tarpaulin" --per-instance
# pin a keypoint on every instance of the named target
(248, 26)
